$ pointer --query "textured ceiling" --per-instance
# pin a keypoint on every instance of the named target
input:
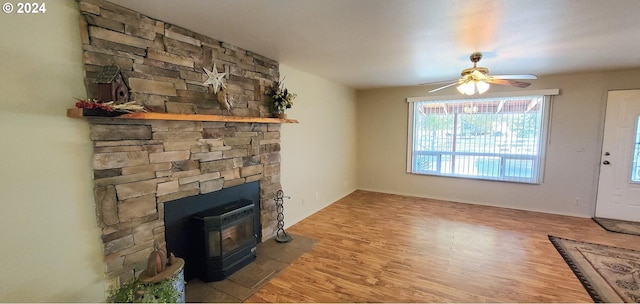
(382, 43)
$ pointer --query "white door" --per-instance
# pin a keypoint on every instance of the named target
(619, 183)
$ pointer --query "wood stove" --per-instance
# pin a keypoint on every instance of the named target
(225, 240)
(188, 237)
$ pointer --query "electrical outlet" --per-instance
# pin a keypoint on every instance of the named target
(578, 201)
(317, 196)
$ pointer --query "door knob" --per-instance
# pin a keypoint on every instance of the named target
(606, 162)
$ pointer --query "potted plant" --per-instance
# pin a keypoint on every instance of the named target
(281, 98)
(134, 291)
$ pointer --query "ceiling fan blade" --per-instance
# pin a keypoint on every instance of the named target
(521, 76)
(513, 83)
(438, 82)
(443, 87)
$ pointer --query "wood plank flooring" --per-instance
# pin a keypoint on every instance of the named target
(375, 247)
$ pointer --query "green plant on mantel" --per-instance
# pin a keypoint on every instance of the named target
(281, 97)
(133, 291)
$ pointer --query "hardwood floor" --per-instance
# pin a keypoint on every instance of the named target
(375, 247)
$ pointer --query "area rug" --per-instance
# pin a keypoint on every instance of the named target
(618, 225)
(609, 274)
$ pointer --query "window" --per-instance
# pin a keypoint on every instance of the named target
(635, 166)
(496, 138)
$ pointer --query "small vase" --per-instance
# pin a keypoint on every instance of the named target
(281, 115)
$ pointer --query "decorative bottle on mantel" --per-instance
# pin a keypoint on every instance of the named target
(225, 101)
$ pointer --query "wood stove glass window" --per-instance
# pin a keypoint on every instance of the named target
(231, 238)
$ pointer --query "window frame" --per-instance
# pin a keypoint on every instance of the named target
(545, 128)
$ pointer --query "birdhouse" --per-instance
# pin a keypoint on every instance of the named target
(111, 86)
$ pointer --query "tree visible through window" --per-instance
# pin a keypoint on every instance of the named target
(490, 138)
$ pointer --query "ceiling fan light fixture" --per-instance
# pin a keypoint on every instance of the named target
(482, 86)
(477, 79)
(473, 86)
(467, 88)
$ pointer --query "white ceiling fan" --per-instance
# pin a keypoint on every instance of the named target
(477, 79)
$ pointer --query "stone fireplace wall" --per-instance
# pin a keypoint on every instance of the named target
(140, 164)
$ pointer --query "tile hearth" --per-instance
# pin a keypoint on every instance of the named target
(273, 257)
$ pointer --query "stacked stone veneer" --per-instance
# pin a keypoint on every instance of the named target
(140, 164)
(163, 63)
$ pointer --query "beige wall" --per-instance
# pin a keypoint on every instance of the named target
(51, 249)
(572, 159)
(319, 153)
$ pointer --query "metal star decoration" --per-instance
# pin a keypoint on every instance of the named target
(215, 79)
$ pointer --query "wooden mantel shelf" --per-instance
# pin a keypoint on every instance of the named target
(77, 113)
